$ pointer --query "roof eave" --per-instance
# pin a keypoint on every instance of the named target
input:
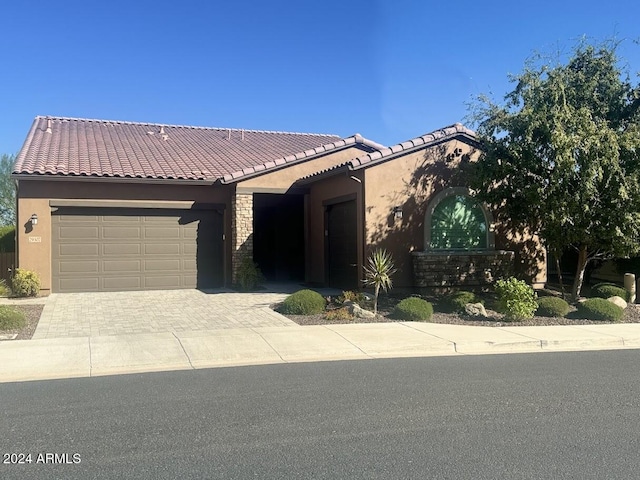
(86, 178)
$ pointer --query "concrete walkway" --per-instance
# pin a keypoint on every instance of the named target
(147, 352)
(81, 335)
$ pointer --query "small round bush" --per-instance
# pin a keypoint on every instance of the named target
(608, 290)
(25, 283)
(303, 302)
(414, 309)
(516, 299)
(456, 301)
(552, 307)
(600, 309)
(10, 318)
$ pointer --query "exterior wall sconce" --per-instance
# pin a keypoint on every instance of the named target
(397, 213)
(34, 219)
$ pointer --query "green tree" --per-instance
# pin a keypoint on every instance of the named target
(561, 155)
(7, 191)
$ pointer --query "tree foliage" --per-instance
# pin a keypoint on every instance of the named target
(561, 155)
(7, 191)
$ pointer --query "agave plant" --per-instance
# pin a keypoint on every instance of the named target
(378, 272)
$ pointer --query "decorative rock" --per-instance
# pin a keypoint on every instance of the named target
(475, 310)
(630, 286)
(359, 312)
(618, 301)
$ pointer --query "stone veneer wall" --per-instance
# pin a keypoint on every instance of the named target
(460, 269)
(241, 231)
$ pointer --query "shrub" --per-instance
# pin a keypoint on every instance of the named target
(600, 309)
(5, 291)
(10, 318)
(249, 275)
(25, 283)
(608, 290)
(552, 307)
(516, 299)
(339, 315)
(349, 296)
(456, 301)
(414, 309)
(303, 302)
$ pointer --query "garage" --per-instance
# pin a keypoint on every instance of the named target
(116, 249)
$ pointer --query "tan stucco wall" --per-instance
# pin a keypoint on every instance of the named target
(284, 178)
(34, 196)
(409, 182)
(322, 191)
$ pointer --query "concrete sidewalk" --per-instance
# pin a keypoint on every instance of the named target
(147, 352)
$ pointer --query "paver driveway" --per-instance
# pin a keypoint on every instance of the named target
(115, 313)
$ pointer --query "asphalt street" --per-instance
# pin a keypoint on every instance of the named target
(524, 416)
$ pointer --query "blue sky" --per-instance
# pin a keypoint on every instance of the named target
(390, 70)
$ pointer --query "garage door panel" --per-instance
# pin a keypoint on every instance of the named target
(119, 249)
(162, 249)
(87, 266)
(121, 283)
(121, 232)
(135, 249)
(79, 284)
(122, 266)
(78, 249)
(78, 232)
(167, 232)
(164, 281)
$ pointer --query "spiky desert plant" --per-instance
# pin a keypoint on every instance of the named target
(378, 272)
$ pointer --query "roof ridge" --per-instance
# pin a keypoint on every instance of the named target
(194, 127)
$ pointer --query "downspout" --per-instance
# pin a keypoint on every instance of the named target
(363, 227)
(15, 233)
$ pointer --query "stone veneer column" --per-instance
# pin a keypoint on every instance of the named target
(241, 231)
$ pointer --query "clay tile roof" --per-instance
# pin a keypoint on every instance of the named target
(100, 148)
(382, 154)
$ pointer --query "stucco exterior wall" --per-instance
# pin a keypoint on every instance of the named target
(35, 196)
(325, 191)
(283, 179)
(409, 182)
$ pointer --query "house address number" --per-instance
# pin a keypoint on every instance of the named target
(35, 239)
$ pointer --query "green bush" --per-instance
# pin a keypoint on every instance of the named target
(303, 302)
(608, 290)
(25, 283)
(552, 307)
(10, 318)
(414, 309)
(8, 238)
(516, 299)
(600, 309)
(456, 301)
(249, 275)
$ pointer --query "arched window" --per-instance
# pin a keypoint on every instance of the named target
(456, 221)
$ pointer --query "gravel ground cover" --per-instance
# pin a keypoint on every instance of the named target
(32, 314)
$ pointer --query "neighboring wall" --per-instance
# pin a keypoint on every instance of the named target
(36, 196)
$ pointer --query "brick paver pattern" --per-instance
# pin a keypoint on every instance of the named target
(117, 313)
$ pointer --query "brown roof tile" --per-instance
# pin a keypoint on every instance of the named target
(99, 148)
(382, 154)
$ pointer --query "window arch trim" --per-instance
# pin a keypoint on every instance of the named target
(459, 191)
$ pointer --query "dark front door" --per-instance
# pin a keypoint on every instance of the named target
(342, 245)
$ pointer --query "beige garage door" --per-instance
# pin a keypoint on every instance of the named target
(113, 249)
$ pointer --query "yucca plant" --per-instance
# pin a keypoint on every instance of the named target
(378, 272)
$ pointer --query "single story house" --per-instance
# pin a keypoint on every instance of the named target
(108, 206)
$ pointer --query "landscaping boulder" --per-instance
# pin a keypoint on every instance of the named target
(475, 310)
(357, 311)
(618, 301)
